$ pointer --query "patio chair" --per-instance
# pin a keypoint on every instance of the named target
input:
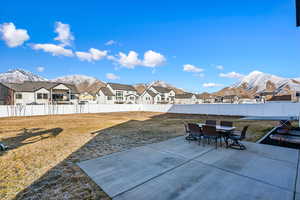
(195, 132)
(238, 136)
(211, 122)
(225, 134)
(210, 132)
(187, 131)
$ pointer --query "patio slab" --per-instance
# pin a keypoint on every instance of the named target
(121, 171)
(253, 165)
(276, 153)
(198, 181)
(181, 147)
(178, 169)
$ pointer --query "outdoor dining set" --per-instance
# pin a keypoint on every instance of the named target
(211, 131)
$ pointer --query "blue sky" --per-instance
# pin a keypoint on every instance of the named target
(241, 36)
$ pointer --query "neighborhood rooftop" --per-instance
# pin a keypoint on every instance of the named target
(162, 89)
(184, 96)
(118, 86)
(32, 86)
(106, 91)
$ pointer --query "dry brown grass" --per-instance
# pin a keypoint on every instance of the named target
(44, 149)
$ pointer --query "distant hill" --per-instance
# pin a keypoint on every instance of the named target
(248, 86)
(19, 76)
(82, 82)
(257, 82)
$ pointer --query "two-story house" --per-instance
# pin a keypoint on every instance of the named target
(185, 98)
(117, 94)
(163, 95)
(37, 92)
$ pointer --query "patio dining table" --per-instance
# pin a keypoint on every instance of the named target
(223, 130)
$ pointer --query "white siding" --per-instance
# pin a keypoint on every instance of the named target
(146, 98)
(42, 101)
(27, 98)
(61, 87)
(102, 99)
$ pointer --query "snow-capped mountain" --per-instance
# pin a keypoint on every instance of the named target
(257, 81)
(83, 83)
(76, 79)
(19, 75)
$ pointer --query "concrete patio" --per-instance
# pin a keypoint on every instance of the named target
(178, 169)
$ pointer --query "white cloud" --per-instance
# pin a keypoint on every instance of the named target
(130, 61)
(192, 68)
(112, 76)
(231, 75)
(92, 55)
(201, 75)
(113, 58)
(64, 34)
(207, 85)
(40, 69)
(110, 42)
(56, 50)
(220, 67)
(13, 37)
(153, 59)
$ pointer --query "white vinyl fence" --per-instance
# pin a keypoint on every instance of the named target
(268, 109)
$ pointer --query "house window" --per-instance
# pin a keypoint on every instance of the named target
(109, 98)
(18, 96)
(131, 98)
(73, 96)
(42, 96)
(39, 95)
(119, 95)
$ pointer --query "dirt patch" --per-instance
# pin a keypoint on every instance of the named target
(41, 163)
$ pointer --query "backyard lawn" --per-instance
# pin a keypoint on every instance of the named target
(44, 150)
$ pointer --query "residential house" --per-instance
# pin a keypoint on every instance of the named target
(230, 99)
(199, 99)
(37, 92)
(164, 95)
(218, 99)
(149, 97)
(280, 98)
(87, 97)
(105, 96)
(118, 94)
(185, 98)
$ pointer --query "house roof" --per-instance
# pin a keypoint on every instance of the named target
(151, 93)
(32, 86)
(161, 89)
(230, 96)
(118, 86)
(106, 91)
(184, 96)
(281, 98)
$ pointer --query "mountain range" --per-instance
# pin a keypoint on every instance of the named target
(257, 82)
(248, 86)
